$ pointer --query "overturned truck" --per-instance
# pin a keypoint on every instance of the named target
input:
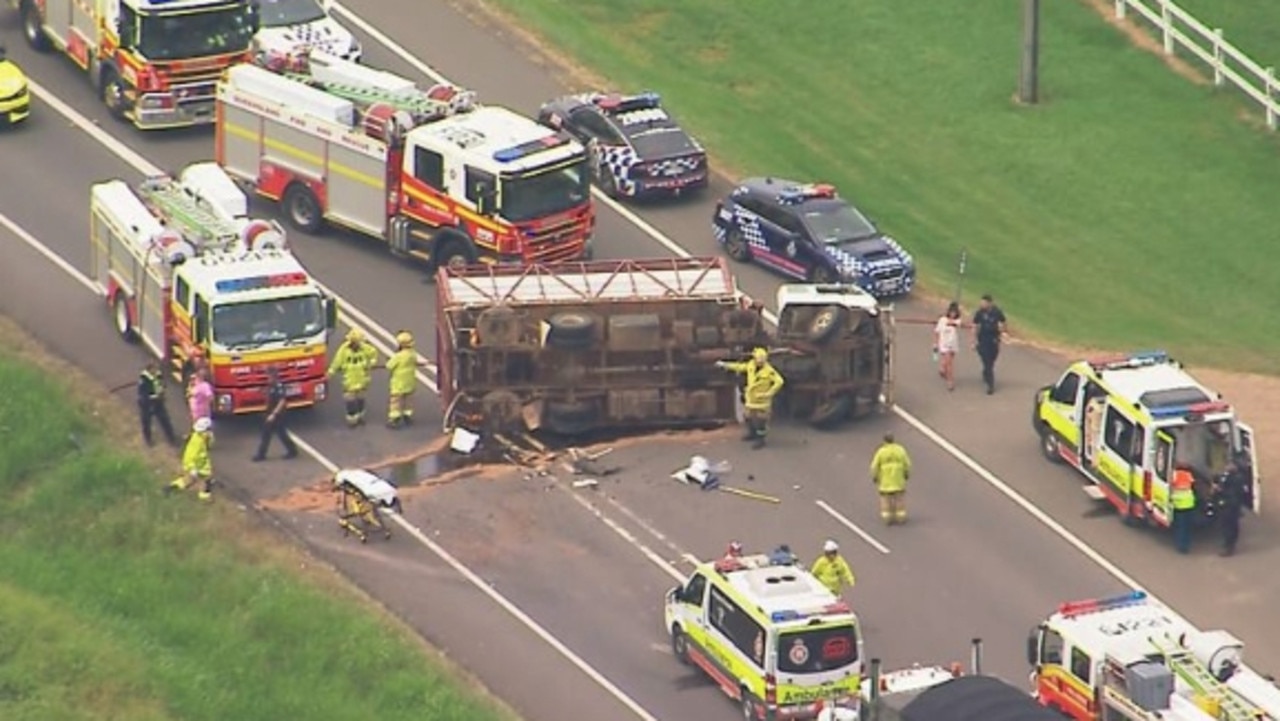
(623, 345)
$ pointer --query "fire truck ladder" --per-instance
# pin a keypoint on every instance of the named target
(198, 224)
(1187, 667)
(417, 103)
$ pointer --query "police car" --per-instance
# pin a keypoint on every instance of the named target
(15, 96)
(808, 231)
(287, 26)
(638, 149)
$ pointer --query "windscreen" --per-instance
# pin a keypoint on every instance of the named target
(662, 143)
(542, 192)
(817, 650)
(282, 13)
(836, 222)
(194, 34)
(281, 320)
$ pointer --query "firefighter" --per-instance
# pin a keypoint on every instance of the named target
(355, 358)
(402, 367)
(151, 403)
(197, 463)
(831, 569)
(890, 471)
(763, 383)
(1183, 498)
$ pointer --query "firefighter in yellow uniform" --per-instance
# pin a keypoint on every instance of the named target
(355, 359)
(890, 470)
(402, 366)
(763, 383)
(831, 569)
(197, 463)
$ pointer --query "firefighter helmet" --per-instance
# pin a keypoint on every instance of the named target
(405, 339)
(355, 335)
(760, 355)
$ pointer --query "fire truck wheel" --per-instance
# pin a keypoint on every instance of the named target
(302, 208)
(826, 322)
(31, 27)
(1050, 446)
(680, 645)
(736, 246)
(456, 250)
(124, 324)
(832, 413)
(571, 418)
(113, 93)
(571, 330)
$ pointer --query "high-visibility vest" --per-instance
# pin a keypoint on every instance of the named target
(1183, 495)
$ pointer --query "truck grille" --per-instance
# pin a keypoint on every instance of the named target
(555, 242)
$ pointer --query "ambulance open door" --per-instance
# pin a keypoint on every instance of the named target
(1245, 439)
(1163, 466)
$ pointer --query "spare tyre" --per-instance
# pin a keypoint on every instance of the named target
(832, 412)
(571, 418)
(571, 330)
(826, 323)
(498, 327)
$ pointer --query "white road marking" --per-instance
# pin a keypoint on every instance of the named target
(48, 254)
(630, 538)
(871, 541)
(649, 528)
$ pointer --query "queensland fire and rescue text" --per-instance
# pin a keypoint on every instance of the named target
(438, 177)
(155, 63)
(198, 284)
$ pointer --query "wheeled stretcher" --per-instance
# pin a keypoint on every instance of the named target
(362, 498)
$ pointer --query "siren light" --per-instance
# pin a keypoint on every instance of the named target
(1195, 409)
(1136, 359)
(516, 152)
(799, 615)
(235, 285)
(1075, 608)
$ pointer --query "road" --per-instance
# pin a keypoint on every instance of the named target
(972, 562)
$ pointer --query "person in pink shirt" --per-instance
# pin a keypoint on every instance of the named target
(200, 396)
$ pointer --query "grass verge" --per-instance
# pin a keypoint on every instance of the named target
(117, 602)
(1129, 209)
(1253, 27)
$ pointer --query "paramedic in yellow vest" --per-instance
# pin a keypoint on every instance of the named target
(197, 463)
(403, 367)
(890, 470)
(763, 383)
(1182, 496)
(356, 359)
(831, 569)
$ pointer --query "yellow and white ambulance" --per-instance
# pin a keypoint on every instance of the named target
(1127, 422)
(773, 637)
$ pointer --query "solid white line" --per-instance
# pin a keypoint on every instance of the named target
(124, 152)
(853, 527)
(648, 527)
(630, 538)
(49, 255)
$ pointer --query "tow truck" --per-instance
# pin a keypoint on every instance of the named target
(186, 272)
(437, 177)
(154, 63)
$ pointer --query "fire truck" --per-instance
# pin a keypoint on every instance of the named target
(155, 63)
(632, 344)
(1131, 657)
(437, 177)
(187, 273)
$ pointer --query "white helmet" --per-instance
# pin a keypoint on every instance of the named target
(830, 546)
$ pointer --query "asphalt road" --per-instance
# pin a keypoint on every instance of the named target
(970, 563)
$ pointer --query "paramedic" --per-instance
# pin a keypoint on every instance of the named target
(1183, 498)
(276, 422)
(1231, 494)
(356, 358)
(197, 464)
(402, 367)
(890, 470)
(151, 403)
(763, 382)
(831, 569)
(989, 328)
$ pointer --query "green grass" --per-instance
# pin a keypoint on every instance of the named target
(119, 603)
(1254, 27)
(1130, 209)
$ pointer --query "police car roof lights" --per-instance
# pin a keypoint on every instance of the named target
(1195, 409)
(1076, 608)
(800, 193)
(1137, 359)
(516, 152)
(792, 614)
(616, 103)
(257, 282)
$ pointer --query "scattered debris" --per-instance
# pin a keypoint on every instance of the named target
(701, 473)
(586, 483)
(464, 441)
(583, 462)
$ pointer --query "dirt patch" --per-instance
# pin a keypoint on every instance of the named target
(306, 499)
(1142, 38)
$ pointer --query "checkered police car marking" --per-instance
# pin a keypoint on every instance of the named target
(617, 161)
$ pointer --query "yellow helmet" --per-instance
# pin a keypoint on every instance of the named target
(760, 354)
(355, 335)
(405, 339)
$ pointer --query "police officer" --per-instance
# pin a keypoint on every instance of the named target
(989, 330)
(763, 383)
(151, 403)
(1182, 497)
(355, 359)
(890, 470)
(276, 422)
(1233, 490)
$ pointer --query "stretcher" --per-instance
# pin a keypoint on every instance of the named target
(362, 499)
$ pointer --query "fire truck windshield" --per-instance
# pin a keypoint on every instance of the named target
(545, 191)
(253, 324)
(178, 36)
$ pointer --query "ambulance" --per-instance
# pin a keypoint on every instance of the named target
(773, 637)
(1126, 422)
(1131, 657)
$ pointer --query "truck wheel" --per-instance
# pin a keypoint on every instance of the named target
(302, 208)
(124, 324)
(113, 93)
(455, 251)
(498, 327)
(832, 413)
(571, 330)
(826, 323)
(32, 28)
(680, 645)
(571, 418)
(1050, 446)
(736, 247)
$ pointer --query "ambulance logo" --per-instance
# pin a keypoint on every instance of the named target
(799, 653)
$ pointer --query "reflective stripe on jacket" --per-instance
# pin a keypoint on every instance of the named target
(832, 573)
(1183, 495)
(890, 467)
(763, 383)
(355, 361)
(403, 365)
(195, 456)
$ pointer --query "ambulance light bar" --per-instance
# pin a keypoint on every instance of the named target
(795, 615)
(1075, 608)
(507, 155)
(235, 285)
(1137, 359)
(1195, 409)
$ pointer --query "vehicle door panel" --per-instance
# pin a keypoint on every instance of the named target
(1061, 409)
(1245, 439)
(1115, 463)
(781, 243)
(1163, 466)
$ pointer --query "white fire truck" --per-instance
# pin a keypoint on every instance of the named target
(154, 62)
(188, 273)
(437, 177)
(1130, 657)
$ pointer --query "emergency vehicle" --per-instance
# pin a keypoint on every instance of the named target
(15, 96)
(437, 177)
(770, 634)
(1130, 657)
(186, 272)
(154, 63)
(1126, 422)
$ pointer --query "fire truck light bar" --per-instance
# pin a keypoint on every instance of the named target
(794, 615)
(507, 155)
(235, 285)
(1201, 409)
(1075, 608)
(1131, 360)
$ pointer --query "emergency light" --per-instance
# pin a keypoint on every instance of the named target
(1136, 359)
(801, 193)
(797, 615)
(619, 104)
(1075, 608)
(235, 285)
(516, 152)
(1200, 409)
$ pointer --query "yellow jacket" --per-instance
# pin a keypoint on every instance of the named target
(355, 361)
(763, 383)
(403, 365)
(832, 572)
(195, 456)
(890, 468)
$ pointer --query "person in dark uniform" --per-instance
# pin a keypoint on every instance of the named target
(1233, 487)
(151, 403)
(276, 422)
(989, 329)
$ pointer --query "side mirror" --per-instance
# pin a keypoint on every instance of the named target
(1033, 648)
(330, 313)
(202, 329)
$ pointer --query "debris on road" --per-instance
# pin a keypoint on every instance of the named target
(586, 483)
(582, 462)
(701, 473)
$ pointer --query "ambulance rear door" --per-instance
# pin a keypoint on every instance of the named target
(1244, 439)
(1162, 468)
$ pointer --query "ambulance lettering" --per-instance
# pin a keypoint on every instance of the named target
(1120, 628)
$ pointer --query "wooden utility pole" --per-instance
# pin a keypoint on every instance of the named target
(1029, 81)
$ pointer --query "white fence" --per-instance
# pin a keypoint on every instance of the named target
(1177, 27)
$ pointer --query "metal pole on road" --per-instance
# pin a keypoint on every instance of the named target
(1029, 80)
